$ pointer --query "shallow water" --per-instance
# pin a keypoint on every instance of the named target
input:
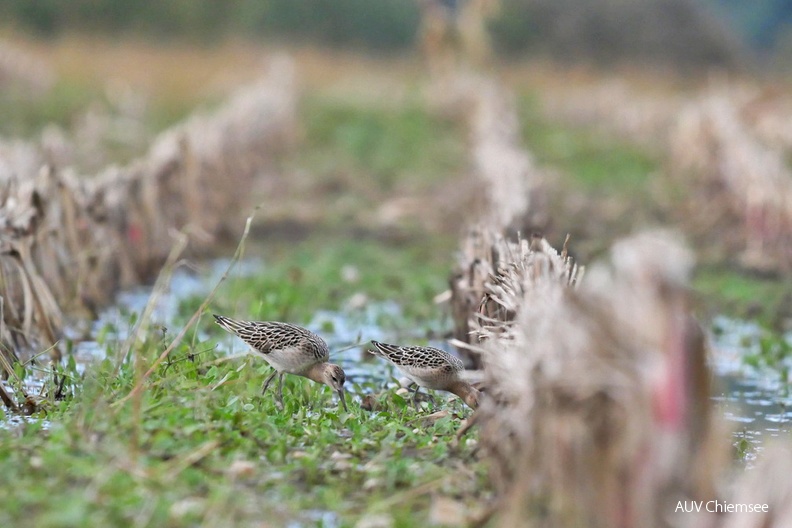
(756, 402)
(322, 518)
(360, 320)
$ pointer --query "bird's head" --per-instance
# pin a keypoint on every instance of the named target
(334, 376)
(471, 398)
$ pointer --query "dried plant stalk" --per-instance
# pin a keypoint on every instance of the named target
(69, 241)
(598, 412)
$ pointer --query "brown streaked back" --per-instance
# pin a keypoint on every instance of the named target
(267, 336)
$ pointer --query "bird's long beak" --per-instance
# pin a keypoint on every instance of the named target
(343, 399)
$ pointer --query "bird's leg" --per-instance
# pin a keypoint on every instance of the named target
(431, 400)
(280, 391)
(415, 393)
(268, 381)
(415, 396)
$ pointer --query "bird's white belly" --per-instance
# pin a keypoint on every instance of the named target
(290, 360)
(430, 379)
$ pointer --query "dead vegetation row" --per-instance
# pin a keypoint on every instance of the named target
(725, 148)
(598, 410)
(71, 241)
(511, 196)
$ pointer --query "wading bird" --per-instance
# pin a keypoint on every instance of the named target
(429, 367)
(289, 349)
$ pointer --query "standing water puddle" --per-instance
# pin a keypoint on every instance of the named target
(755, 401)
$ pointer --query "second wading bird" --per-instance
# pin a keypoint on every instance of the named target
(289, 349)
(429, 367)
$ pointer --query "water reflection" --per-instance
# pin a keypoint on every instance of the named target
(755, 400)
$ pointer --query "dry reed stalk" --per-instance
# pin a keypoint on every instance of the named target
(598, 412)
(7, 400)
(512, 186)
(141, 379)
(7, 370)
(19, 158)
(508, 174)
(612, 106)
(749, 179)
(728, 143)
(766, 110)
(69, 241)
(487, 264)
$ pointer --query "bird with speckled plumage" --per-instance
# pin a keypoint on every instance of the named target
(289, 349)
(429, 367)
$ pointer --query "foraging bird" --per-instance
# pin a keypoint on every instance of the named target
(290, 349)
(429, 367)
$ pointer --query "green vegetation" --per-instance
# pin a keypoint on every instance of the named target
(604, 188)
(70, 99)
(586, 157)
(399, 144)
(773, 352)
(767, 349)
(200, 444)
(744, 449)
(741, 295)
(25, 115)
(326, 271)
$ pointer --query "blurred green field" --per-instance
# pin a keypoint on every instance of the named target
(366, 135)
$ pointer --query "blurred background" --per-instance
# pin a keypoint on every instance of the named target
(615, 114)
(639, 110)
(690, 32)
